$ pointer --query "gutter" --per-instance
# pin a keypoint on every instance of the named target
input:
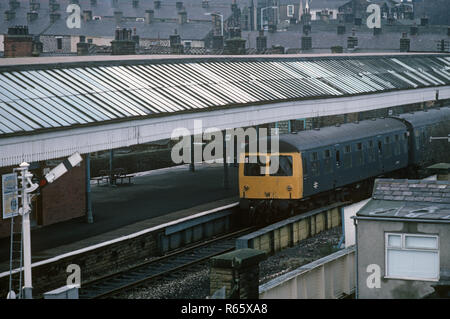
(397, 219)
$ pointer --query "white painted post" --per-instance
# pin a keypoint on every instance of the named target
(25, 212)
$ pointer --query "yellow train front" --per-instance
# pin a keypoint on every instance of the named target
(269, 186)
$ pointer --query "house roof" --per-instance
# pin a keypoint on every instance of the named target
(411, 199)
(197, 26)
(324, 36)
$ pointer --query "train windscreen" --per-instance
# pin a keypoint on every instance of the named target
(284, 166)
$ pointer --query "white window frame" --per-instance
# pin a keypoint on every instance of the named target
(403, 248)
(288, 9)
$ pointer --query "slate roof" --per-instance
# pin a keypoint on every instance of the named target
(197, 27)
(412, 190)
(324, 36)
(415, 199)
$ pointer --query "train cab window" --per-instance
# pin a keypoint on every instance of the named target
(255, 166)
(284, 165)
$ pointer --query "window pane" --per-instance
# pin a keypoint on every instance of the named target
(394, 241)
(420, 242)
(412, 264)
(284, 166)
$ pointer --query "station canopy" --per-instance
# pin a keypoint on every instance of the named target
(46, 97)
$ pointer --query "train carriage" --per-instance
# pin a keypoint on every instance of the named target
(322, 160)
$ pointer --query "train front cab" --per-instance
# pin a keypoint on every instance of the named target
(257, 182)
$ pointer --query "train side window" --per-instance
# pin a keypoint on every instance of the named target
(338, 158)
(417, 134)
(327, 154)
(314, 156)
(359, 155)
(347, 149)
(370, 144)
(315, 168)
(380, 147)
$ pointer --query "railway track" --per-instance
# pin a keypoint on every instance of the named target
(160, 267)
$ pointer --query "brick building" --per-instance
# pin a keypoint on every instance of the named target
(62, 200)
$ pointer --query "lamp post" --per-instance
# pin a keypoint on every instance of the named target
(221, 20)
(262, 15)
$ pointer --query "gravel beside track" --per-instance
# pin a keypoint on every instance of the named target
(194, 284)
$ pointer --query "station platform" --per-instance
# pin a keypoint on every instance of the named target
(153, 198)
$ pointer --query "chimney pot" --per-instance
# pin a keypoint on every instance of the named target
(182, 17)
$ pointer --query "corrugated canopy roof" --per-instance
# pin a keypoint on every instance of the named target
(46, 97)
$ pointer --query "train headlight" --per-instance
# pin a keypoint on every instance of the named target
(289, 188)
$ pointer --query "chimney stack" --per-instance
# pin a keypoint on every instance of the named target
(405, 43)
(179, 5)
(261, 42)
(123, 43)
(34, 5)
(352, 41)
(377, 31)
(14, 4)
(10, 15)
(424, 21)
(54, 17)
(182, 17)
(118, 16)
(176, 47)
(157, 4)
(18, 43)
(135, 3)
(53, 6)
(87, 15)
(149, 16)
(32, 16)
